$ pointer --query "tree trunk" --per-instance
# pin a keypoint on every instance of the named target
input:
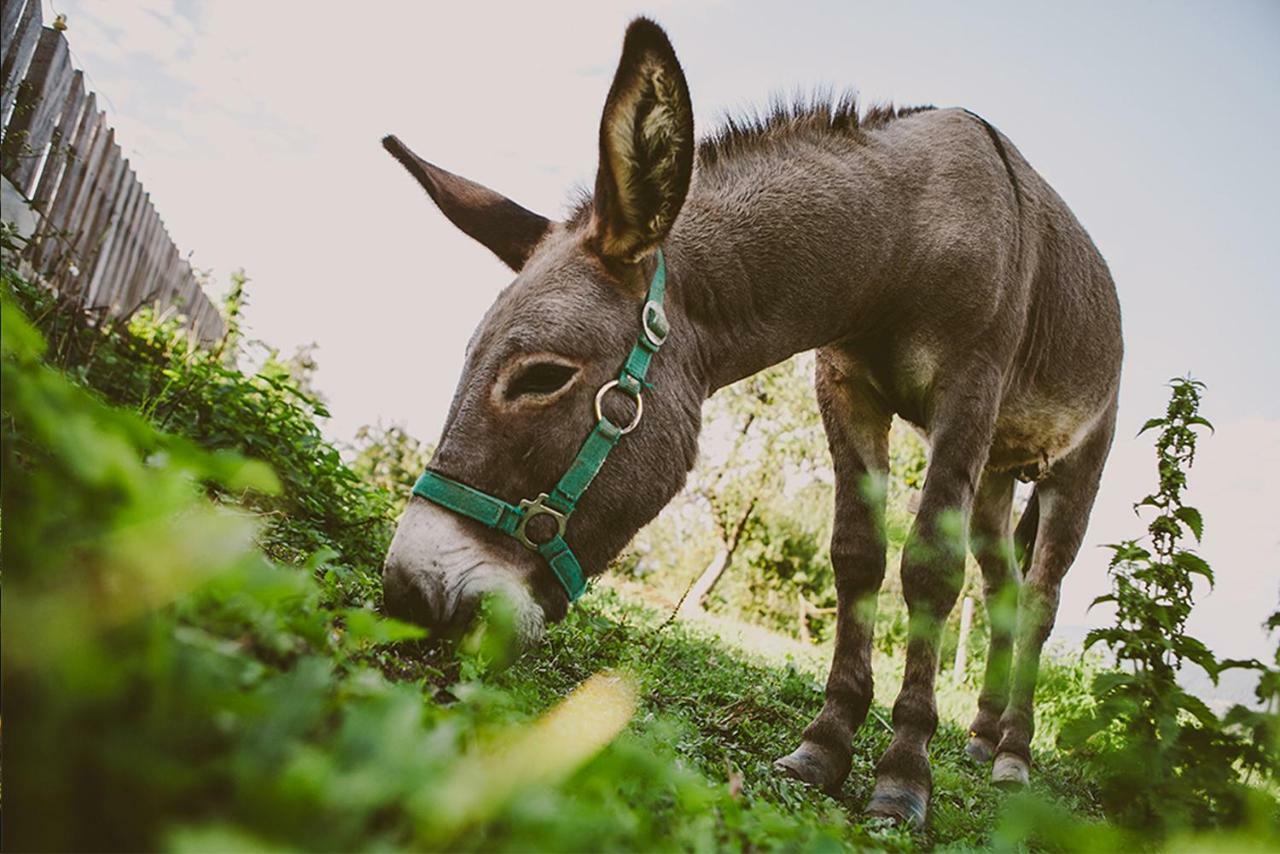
(702, 587)
(693, 599)
(962, 643)
(805, 638)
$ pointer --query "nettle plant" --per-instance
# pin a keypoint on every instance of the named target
(1162, 758)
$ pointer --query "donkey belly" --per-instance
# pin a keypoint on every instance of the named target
(1033, 433)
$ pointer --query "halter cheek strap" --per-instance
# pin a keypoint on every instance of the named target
(562, 500)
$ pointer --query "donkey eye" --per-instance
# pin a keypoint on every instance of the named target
(540, 378)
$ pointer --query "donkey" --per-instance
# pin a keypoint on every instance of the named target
(938, 277)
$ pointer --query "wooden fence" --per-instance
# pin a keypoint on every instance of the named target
(93, 231)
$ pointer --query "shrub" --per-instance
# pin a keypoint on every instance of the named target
(1163, 760)
(149, 364)
(168, 685)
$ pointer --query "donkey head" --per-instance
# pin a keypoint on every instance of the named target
(554, 336)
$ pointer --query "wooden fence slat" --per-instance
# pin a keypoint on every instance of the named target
(78, 212)
(102, 280)
(129, 236)
(21, 46)
(142, 260)
(179, 294)
(50, 249)
(155, 275)
(40, 101)
(100, 229)
(129, 295)
(129, 255)
(164, 273)
(90, 218)
(183, 286)
(10, 13)
(200, 317)
(130, 260)
(76, 219)
(55, 164)
(217, 327)
(190, 287)
(155, 262)
(36, 111)
(146, 261)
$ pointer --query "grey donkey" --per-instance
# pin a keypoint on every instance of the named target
(938, 277)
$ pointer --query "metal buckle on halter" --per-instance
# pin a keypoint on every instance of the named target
(653, 319)
(635, 420)
(537, 507)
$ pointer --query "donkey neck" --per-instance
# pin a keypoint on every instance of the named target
(773, 259)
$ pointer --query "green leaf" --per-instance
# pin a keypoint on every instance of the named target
(1196, 707)
(1201, 420)
(1193, 520)
(365, 625)
(1194, 564)
(1152, 422)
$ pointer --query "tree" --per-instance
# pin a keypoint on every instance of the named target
(762, 431)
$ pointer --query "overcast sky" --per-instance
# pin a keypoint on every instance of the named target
(256, 127)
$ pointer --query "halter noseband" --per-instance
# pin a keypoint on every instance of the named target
(559, 504)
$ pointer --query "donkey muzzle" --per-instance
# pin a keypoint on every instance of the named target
(437, 574)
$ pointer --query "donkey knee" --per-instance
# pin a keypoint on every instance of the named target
(859, 569)
(932, 586)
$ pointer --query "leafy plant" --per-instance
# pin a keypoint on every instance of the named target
(168, 685)
(390, 459)
(149, 363)
(194, 660)
(1162, 758)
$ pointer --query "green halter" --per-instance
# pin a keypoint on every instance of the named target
(559, 504)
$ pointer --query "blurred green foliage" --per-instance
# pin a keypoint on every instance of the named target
(193, 657)
(169, 684)
(149, 364)
(390, 459)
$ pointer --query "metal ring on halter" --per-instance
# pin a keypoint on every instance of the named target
(639, 406)
(537, 507)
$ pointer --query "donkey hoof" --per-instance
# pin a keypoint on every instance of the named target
(1010, 771)
(900, 802)
(810, 764)
(979, 749)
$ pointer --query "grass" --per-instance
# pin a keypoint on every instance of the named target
(728, 699)
(226, 695)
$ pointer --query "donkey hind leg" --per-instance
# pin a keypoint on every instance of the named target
(998, 555)
(858, 434)
(1064, 499)
(932, 575)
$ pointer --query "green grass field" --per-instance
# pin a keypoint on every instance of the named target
(194, 658)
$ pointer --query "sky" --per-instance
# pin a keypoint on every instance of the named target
(256, 128)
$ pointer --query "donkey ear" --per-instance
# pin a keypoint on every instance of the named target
(510, 231)
(646, 147)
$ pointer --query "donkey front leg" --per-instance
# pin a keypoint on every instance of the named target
(932, 575)
(857, 428)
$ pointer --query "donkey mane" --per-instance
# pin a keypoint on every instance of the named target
(821, 113)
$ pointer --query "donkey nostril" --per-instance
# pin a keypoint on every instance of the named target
(412, 596)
